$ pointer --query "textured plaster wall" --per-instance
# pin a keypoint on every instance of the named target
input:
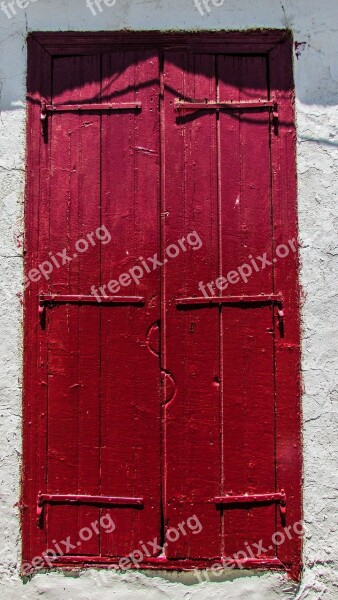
(315, 23)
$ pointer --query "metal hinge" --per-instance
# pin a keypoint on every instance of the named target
(271, 105)
(21, 505)
(104, 106)
(223, 300)
(278, 497)
(229, 105)
(116, 501)
(260, 299)
(55, 299)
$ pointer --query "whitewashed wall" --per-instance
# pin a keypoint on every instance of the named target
(314, 22)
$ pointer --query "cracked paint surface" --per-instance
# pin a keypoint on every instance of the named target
(316, 79)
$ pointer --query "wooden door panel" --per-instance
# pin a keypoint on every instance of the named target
(220, 357)
(103, 382)
(72, 333)
(130, 375)
(190, 346)
(248, 428)
(248, 413)
(245, 175)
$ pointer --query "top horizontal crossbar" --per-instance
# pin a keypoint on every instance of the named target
(208, 105)
(53, 108)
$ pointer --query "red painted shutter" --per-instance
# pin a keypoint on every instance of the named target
(102, 381)
(220, 426)
(159, 406)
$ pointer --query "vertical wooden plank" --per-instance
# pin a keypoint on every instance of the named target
(74, 331)
(191, 353)
(288, 385)
(245, 174)
(248, 361)
(131, 451)
(249, 429)
(35, 340)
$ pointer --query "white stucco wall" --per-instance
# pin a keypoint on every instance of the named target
(314, 22)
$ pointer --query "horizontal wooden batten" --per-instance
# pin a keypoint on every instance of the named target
(78, 499)
(87, 43)
(57, 108)
(86, 499)
(82, 299)
(220, 300)
(161, 562)
(252, 498)
(209, 105)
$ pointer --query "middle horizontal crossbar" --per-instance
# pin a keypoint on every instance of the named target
(219, 300)
(82, 299)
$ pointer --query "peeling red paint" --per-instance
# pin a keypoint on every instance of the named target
(18, 239)
(299, 47)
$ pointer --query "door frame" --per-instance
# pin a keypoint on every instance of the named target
(278, 46)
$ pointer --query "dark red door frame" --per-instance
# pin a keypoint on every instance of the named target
(277, 45)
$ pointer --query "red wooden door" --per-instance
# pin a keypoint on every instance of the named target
(169, 397)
